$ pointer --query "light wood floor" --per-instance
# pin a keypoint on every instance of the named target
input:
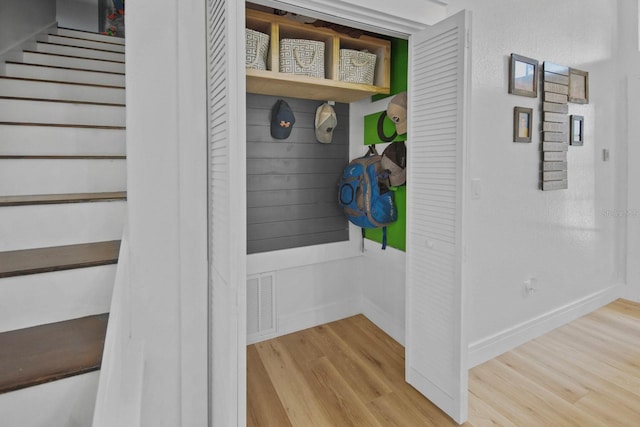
(349, 372)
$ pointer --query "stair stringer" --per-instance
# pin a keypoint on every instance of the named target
(119, 397)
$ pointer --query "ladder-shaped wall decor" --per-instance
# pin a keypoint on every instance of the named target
(555, 126)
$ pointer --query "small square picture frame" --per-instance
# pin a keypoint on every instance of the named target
(523, 76)
(522, 122)
(578, 86)
(576, 130)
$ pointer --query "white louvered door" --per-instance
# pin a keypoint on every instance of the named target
(227, 212)
(436, 347)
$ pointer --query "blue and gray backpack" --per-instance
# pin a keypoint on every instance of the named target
(363, 195)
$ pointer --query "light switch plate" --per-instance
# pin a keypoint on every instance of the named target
(476, 188)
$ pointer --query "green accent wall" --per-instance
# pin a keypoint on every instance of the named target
(396, 232)
(371, 129)
(399, 67)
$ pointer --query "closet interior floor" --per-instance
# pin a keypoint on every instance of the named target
(350, 373)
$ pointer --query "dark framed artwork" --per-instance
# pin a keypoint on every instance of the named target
(523, 76)
(578, 86)
(576, 133)
(522, 120)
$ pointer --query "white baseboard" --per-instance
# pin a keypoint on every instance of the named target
(317, 316)
(382, 319)
(492, 346)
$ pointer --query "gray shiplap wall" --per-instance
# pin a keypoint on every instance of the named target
(292, 183)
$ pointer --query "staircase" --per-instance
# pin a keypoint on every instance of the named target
(62, 209)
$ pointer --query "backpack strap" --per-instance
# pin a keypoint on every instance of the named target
(384, 238)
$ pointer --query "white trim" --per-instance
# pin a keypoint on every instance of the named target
(238, 197)
(359, 16)
(494, 345)
(632, 221)
(256, 338)
(192, 206)
(317, 316)
(298, 257)
(391, 326)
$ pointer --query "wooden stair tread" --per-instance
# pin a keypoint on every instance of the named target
(90, 40)
(90, 32)
(64, 68)
(61, 101)
(50, 352)
(63, 125)
(72, 56)
(60, 157)
(26, 79)
(80, 47)
(57, 258)
(49, 199)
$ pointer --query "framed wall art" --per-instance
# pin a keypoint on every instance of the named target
(576, 132)
(522, 120)
(578, 86)
(523, 76)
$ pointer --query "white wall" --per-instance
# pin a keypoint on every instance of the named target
(567, 240)
(78, 14)
(20, 20)
(383, 288)
(315, 294)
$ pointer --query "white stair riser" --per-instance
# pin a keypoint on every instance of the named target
(60, 91)
(31, 226)
(80, 52)
(72, 41)
(37, 299)
(68, 402)
(65, 61)
(36, 176)
(18, 110)
(89, 36)
(64, 75)
(49, 140)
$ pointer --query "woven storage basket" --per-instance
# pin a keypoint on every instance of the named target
(357, 66)
(257, 46)
(304, 57)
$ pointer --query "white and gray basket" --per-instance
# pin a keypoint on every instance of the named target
(357, 66)
(303, 57)
(257, 47)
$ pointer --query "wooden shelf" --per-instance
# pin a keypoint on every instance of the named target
(272, 82)
(279, 84)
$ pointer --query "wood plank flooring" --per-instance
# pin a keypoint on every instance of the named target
(350, 373)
